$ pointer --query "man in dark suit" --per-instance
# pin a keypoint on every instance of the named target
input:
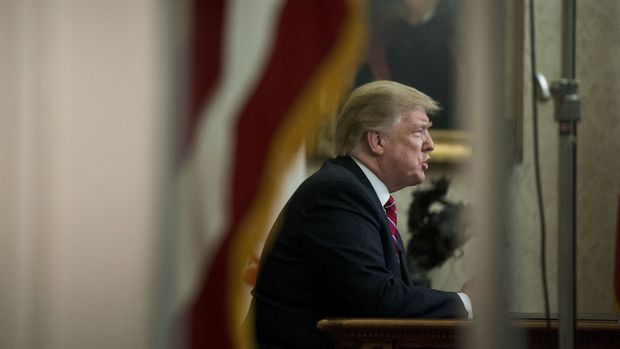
(334, 250)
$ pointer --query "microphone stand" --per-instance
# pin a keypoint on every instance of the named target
(567, 114)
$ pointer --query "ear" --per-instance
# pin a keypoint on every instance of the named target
(375, 142)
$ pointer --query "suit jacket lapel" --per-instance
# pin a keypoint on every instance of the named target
(403, 262)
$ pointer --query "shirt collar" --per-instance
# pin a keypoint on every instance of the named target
(380, 188)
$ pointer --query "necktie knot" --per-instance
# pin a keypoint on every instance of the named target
(390, 210)
(390, 205)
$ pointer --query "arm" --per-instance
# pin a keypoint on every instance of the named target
(348, 241)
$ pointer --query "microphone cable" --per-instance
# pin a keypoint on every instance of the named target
(543, 229)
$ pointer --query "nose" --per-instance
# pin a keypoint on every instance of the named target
(428, 144)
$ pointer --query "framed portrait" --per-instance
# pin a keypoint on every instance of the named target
(417, 43)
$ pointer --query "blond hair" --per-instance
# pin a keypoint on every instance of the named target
(376, 106)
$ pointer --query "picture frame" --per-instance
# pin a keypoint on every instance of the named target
(394, 53)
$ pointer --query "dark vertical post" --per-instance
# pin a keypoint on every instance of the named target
(567, 114)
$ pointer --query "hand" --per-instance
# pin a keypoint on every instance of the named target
(469, 287)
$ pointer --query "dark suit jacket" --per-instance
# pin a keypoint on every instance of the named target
(330, 254)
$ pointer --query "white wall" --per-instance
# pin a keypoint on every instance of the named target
(598, 187)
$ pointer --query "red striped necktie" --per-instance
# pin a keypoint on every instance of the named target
(390, 210)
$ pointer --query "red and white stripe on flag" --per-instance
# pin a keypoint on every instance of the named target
(264, 74)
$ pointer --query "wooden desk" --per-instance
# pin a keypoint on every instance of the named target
(445, 334)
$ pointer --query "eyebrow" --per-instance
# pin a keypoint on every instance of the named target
(418, 126)
(426, 124)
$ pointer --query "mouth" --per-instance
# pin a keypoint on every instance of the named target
(425, 166)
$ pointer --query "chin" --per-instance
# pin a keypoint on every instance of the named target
(419, 179)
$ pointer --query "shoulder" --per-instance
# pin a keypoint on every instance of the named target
(337, 186)
(340, 175)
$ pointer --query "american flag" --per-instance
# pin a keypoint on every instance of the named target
(263, 76)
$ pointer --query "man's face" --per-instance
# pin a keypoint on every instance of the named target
(407, 149)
